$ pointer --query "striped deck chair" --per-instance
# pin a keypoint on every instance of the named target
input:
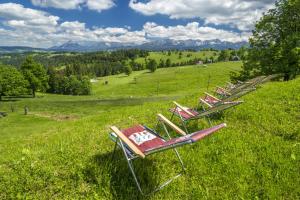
(231, 91)
(140, 141)
(225, 95)
(206, 108)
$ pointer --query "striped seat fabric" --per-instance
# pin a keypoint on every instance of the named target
(179, 112)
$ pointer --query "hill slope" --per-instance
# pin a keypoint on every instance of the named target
(257, 156)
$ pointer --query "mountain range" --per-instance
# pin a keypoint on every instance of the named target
(154, 45)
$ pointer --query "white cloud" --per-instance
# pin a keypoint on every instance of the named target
(15, 11)
(97, 5)
(27, 19)
(241, 14)
(100, 5)
(192, 31)
(62, 4)
(30, 27)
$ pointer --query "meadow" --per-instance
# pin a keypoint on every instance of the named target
(61, 149)
(176, 58)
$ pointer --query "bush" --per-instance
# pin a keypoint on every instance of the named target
(127, 70)
(152, 65)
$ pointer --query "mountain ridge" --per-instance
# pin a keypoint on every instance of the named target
(154, 45)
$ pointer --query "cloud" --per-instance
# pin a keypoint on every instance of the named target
(27, 19)
(192, 31)
(97, 5)
(20, 26)
(240, 14)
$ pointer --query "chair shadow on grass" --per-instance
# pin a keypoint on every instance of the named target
(112, 173)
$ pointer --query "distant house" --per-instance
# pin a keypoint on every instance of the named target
(236, 58)
(93, 80)
(200, 62)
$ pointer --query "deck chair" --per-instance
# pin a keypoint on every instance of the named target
(140, 141)
(205, 110)
(231, 91)
(225, 95)
(242, 85)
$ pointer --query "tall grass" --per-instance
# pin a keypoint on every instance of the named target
(44, 156)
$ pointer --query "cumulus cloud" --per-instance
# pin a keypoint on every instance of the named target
(192, 31)
(31, 27)
(240, 14)
(26, 19)
(97, 5)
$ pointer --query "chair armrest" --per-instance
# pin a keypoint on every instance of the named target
(204, 102)
(224, 90)
(212, 96)
(127, 141)
(170, 124)
(183, 108)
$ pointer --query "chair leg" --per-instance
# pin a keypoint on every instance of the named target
(129, 162)
(208, 120)
(131, 168)
(184, 126)
(114, 152)
(172, 116)
(175, 150)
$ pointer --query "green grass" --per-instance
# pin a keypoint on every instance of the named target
(174, 57)
(61, 150)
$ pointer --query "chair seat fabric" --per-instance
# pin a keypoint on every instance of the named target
(143, 138)
(182, 113)
(221, 92)
(211, 100)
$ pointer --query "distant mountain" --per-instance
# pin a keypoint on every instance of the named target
(154, 45)
(19, 49)
(160, 44)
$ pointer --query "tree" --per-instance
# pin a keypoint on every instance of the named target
(127, 70)
(168, 63)
(12, 81)
(274, 45)
(224, 55)
(161, 63)
(35, 74)
(152, 65)
(85, 86)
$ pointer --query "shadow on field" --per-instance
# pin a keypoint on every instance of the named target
(112, 175)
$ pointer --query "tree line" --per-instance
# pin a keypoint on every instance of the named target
(32, 77)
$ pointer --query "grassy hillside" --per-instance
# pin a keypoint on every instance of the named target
(62, 150)
(174, 57)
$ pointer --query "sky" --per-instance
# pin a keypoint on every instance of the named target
(47, 23)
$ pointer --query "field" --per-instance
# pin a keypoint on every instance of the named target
(61, 149)
(175, 58)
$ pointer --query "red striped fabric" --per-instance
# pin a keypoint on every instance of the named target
(211, 100)
(183, 114)
(142, 138)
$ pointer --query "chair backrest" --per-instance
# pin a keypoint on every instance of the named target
(170, 124)
(219, 107)
(127, 141)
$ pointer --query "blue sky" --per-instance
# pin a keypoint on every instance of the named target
(44, 23)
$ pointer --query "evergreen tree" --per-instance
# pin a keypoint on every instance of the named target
(152, 65)
(168, 63)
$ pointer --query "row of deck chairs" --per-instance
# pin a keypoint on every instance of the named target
(141, 141)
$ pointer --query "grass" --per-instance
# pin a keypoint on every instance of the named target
(44, 155)
(174, 56)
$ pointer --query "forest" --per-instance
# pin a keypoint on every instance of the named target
(70, 73)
